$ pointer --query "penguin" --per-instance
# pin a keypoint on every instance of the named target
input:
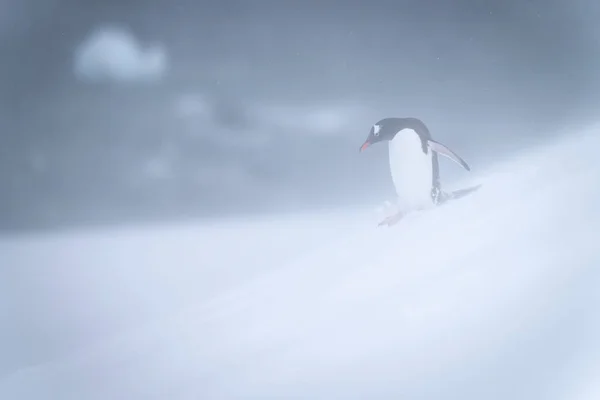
(413, 161)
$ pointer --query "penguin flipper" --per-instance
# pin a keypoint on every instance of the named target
(445, 151)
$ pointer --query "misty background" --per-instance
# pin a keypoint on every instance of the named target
(120, 112)
(117, 111)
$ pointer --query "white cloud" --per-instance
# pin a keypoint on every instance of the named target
(320, 119)
(230, 176)
(158, 168)
(115, 54)
(193, 106)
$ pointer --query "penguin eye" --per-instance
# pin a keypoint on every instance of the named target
(376, 129)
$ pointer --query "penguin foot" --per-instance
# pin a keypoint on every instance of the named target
(439, 196)
(392, 219)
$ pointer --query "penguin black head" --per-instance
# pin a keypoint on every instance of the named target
(384, 130)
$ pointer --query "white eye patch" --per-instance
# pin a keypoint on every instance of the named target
(376, 129)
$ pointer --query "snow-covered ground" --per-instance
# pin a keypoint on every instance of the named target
(491, 297)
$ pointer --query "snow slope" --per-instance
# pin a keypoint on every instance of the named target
(491, 297)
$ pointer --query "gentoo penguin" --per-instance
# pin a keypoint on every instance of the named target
(413, 163)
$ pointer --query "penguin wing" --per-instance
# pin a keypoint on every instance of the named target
(445, 151)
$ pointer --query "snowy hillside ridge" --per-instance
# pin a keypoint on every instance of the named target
(493, 296)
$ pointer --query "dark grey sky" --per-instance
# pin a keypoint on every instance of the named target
(260, 106)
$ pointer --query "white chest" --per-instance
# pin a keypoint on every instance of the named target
(411, 170)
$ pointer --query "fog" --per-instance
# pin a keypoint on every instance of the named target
(185, 213)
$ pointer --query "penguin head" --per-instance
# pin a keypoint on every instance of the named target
(383, 130)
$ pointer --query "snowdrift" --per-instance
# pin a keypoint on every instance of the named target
(490, 297)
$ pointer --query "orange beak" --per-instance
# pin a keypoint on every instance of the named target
(364, 146)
